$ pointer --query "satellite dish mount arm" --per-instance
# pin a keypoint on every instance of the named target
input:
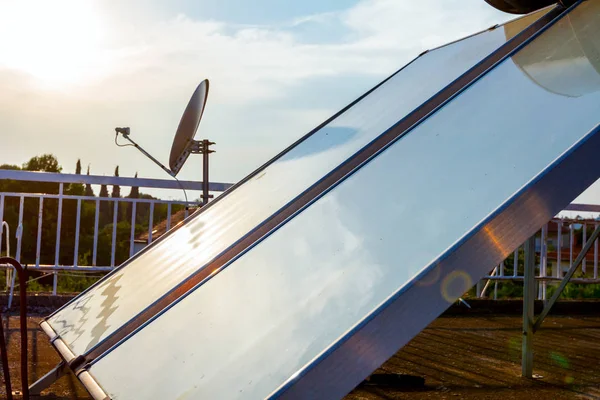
(125, 134)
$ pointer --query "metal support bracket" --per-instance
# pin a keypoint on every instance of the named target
(586, 248)
(528, 303)
(200, 147)
(35, 389)
(529, 327)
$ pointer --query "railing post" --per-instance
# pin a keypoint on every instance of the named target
(57, 249)
(571, 243)
(132, 235)
(543, 262)
(205, 154)
(150, 222)
(169, 216)
(528, 304)
(1, 213)
(77, 228)
(595, 255)
(1, 231)
(19, 232)
(516, 262)
(38, 246)
(558, 248)
(583, 263)
(113, 246)
(96, 223)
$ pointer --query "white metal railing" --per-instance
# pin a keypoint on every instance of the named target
(114, 203)
(557, 245)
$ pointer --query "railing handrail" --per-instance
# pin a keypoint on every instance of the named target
(94, 198)
(583, 207)
(18, 175)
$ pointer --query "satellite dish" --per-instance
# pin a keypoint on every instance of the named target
(184, 143)
(523, 6)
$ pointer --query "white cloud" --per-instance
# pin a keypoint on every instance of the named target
(251, 62)
(143, 74)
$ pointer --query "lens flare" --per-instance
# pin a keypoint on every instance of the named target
(455, 285)
(559, 359)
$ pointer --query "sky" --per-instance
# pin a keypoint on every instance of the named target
(73, 70)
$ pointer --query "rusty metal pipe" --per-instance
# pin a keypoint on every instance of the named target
(22, 273)
(4, 355)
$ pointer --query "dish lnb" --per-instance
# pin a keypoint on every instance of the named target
(123, 131)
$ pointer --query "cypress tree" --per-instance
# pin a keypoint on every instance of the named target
(133, 194)
(76, 188)
(135, 190)
(88, 187)
(116, 189)
(103, 191)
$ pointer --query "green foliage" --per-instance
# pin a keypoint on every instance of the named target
(135, 191)
(44, 163)
(68, 282)
(577, 291)
(76, 189)
(103, 191)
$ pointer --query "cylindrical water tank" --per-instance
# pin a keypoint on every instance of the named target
(524, 6)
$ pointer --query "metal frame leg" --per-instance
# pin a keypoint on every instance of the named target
(529, 327)
(586, 248)
(45, 381)
(528, 303)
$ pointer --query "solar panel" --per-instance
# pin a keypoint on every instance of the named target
(99, 312)
(443, 209)
(260, 326)
(325, 295)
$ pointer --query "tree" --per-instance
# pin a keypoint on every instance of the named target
(76, 189)
(44, 163)
(135, 190)
(116, 189)
(105, 207)
(88, 187)
(103, 191)
(8, 185)
(133, 194)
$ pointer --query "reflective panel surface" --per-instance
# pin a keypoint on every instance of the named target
(110, 304)
(267, 316)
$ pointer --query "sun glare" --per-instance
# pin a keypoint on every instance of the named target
(56, 42)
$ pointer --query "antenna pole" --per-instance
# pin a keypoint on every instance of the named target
(205, 152)
(144, 152)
